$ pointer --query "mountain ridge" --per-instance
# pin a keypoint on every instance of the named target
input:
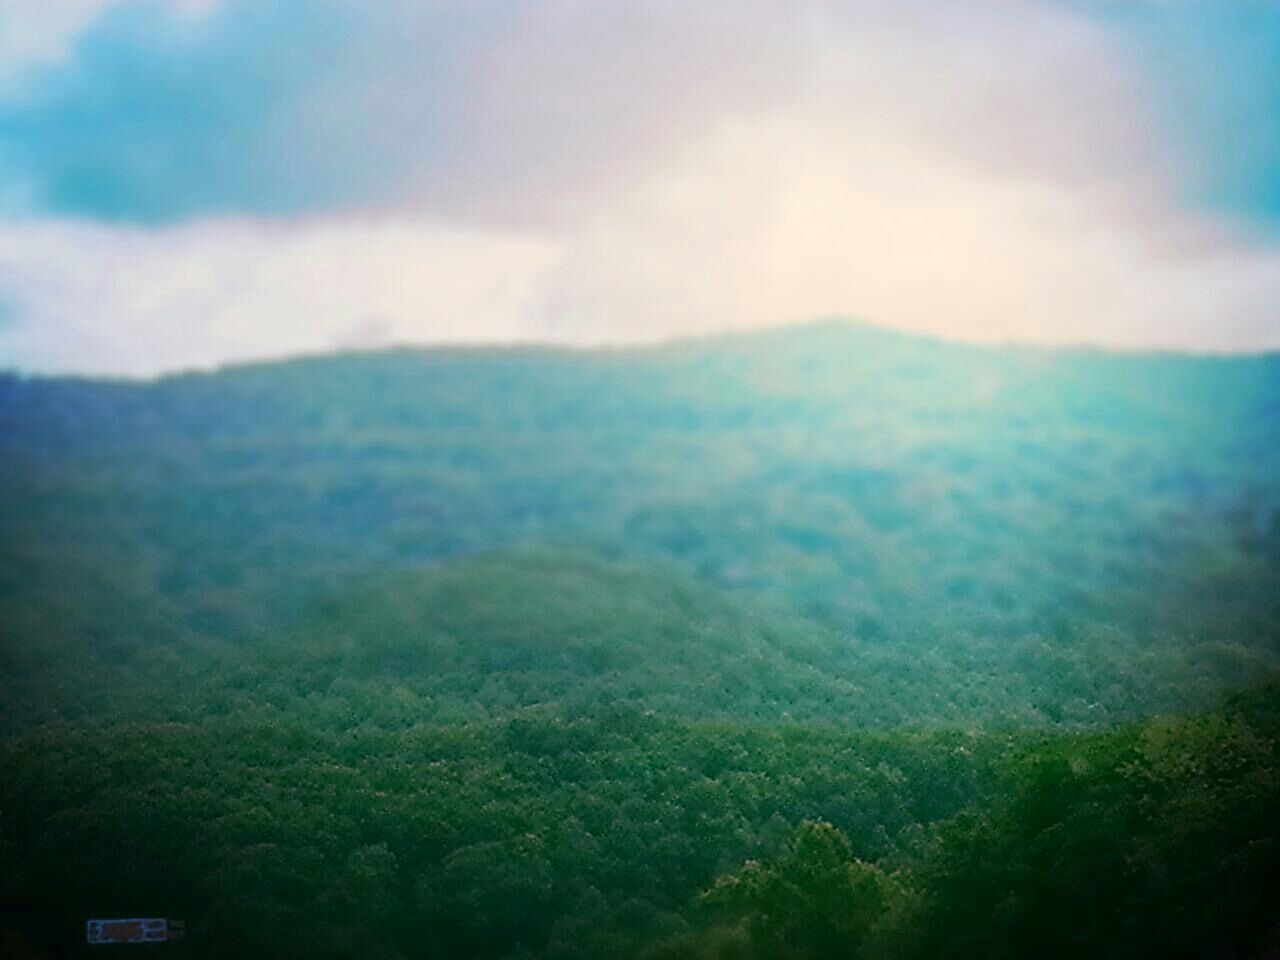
(753, 339)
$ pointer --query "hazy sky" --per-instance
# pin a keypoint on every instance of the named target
(189, 182)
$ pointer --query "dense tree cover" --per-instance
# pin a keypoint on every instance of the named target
(1157, 839)
(826, 642)
(268, 830)
(1006, 515)
(626, 834)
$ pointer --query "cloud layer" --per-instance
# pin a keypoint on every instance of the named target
(185, 185)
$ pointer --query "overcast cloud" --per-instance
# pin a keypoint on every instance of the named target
(184, 184)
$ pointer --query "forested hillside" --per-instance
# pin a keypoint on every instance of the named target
(818, 642)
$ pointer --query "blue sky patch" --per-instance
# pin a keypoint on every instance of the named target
(157, 117)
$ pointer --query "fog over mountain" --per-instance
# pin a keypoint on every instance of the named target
(640, 480)
(511, 651)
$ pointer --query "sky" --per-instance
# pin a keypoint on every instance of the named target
(189, 183)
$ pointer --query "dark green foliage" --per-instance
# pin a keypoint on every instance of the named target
(1160, 840)
(815, 900)
(828, 642)
(264, 830)
(1156, 840)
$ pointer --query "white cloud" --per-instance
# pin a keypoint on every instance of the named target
(784, 219)
(984, 171)
(113, 300)
(36, 33)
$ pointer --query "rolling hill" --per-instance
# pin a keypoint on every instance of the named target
(1060, 536)
(514, 652)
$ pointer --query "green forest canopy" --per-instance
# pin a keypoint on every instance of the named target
(811, 642)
